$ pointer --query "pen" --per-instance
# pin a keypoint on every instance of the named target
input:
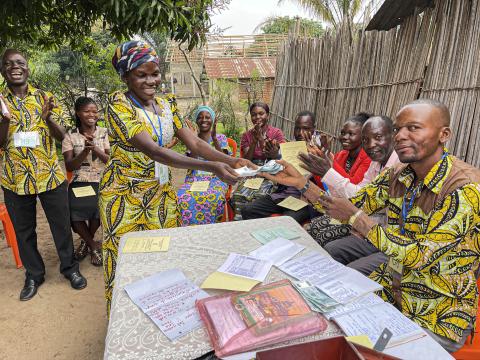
(326, 188)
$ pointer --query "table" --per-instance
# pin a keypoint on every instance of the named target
(198, 251)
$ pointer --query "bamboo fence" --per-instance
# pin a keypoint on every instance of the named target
(434, 54)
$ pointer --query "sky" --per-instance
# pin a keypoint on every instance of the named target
(242, 16)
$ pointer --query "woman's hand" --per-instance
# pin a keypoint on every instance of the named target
(318, 161)
(288, 177)
(337, 208)
(237, 163)
(272, 147)
(190, 126)
(224, 172)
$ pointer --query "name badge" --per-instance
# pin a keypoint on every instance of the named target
(29, 139)
(395, 266)
(161, 173)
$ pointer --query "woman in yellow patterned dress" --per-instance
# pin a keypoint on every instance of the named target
(135, 191)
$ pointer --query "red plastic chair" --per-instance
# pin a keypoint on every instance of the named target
(10, 234)
(471, 351)
(228, 213)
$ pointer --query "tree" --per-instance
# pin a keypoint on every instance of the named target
(283, 24)
(54, 22)
(333, 12)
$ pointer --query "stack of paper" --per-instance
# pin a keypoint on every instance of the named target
(271, 167)
(238, 272)
(168, 298)
(372, 320)
(337, 281)
(277, 251)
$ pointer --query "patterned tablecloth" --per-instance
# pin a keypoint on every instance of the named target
(197, 251)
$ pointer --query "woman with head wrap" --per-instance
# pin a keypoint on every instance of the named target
(206, 207)
(135, 191)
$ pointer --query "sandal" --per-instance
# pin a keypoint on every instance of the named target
(96, 257)
(81, 251)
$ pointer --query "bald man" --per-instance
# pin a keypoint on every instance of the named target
(432, 234)
(377, 141)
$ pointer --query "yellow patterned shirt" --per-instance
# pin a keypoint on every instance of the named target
(440, 248)
(26, 170)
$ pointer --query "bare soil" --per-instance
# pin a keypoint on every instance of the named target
(59, 322)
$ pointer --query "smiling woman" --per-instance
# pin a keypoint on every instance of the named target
(206, 207)
(136, 191)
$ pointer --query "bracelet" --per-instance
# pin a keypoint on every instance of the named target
(305, 188)
(354, 217)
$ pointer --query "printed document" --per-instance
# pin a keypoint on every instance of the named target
(246, 266)
(277, 251)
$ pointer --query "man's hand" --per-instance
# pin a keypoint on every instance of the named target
(337, 208)
(318, 161)
(288, 177)
(272, 147)
(47, 107)
(4, 113)
(224, 172)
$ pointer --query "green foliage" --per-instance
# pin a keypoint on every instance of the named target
(54, 22)
(221, 100)
(333, 12)
(284, 24)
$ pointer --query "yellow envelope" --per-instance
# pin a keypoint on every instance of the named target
(253, 183)
(292, 203)
(290, 151)
(218, 280)
(146, 244)
(83, 191)
(199, 186)
(363, 340)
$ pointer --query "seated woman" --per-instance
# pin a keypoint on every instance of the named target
(198, 208)
(262, 142)
(352, 162)
(85, 150)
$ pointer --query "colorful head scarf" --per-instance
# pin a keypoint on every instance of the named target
(132, 54)
(204, 108)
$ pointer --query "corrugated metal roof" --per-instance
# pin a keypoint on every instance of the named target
(240, 68)
(392, 13)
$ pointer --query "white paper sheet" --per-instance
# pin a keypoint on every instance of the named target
(336, 280)
(372, 320)
(362, 302)
(246, 266)
(277, 251)
(168, 298)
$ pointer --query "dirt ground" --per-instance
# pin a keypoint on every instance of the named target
(59, 322)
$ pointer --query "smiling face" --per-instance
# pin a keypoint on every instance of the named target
(259, 116)
(420, 133)
(204, 121)
(88, 115)
(143, 81)
(377, 140)
(351, 136)
(15, 69)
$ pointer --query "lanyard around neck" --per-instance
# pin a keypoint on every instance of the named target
(159, 135)
(406, 208)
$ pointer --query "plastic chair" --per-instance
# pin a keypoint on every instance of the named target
(471, 351)
(10, 234)
(228, 213)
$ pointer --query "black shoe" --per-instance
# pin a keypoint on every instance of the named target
(77, 281)
(29, 289)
